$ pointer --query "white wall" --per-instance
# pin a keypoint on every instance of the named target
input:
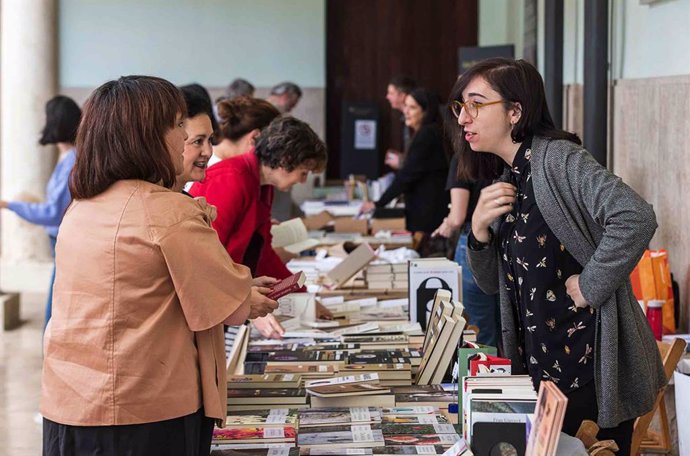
(205, 41)
(501, 22)
(656, 39)
(646, 40)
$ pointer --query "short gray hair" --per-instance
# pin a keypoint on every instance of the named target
(286, 87)
(239, 87)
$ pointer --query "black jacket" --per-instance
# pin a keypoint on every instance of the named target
(422, 180)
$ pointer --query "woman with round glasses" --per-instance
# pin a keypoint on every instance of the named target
(422, 178)
(557, 236)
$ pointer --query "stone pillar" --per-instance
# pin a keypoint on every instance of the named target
(28, 79)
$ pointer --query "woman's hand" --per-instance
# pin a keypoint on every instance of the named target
(495, 200)
(259, 304)
(269, 327)
(367, 207)
(264, 282)
(572, 288)
(3, 204)
(444, 229)
(393, 159)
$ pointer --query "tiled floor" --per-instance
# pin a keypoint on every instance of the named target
(20, 381)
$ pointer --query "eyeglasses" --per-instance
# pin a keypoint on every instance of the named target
(471, 107)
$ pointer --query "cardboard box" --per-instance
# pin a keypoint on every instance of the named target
(392, 224)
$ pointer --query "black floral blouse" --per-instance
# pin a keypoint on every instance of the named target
(557, 338)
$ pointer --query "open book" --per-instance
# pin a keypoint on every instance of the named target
(292, 236)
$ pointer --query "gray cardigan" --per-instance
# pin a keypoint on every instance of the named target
(606, 226)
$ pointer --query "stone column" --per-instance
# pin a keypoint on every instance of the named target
(28, 79)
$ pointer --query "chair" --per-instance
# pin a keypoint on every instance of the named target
(642, 438)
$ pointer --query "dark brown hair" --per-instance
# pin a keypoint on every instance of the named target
(241, 115)
(402, 83)
(62, 120)
(122, 134)
(516, 81)
(289, 143)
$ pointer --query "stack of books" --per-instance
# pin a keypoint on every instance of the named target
(337, 428)
(387, 276)
(443, 335)
(253, 399)
(544, 427)
(492, 404)
(272, 451)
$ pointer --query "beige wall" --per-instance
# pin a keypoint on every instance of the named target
(311, 108)
(649, 149)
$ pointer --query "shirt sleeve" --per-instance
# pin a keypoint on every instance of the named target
(210, 286)
(58, 198)
(453, 181)
(628, 221)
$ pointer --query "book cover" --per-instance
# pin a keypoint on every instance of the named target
(414, 419)
(421, 439)
(396, 428)
(250, 434)
(274, 451)
(342, 436)
(352, 385)
(427, 275)
(301, 369)
(286, 286)
(548, 420)
(264, 381)
(351, 265)
(262, 418)
(338, 416)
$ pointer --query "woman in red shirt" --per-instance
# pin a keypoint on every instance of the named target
(241, 188)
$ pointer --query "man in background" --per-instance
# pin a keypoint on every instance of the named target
(238, 88)
(398, 88)
(285, 96)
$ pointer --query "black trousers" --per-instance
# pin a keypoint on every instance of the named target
(582, 405)
(185, 436)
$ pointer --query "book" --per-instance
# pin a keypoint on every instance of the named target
(264, 381)
(338, 416)
(407, 411)
(273, 451)
(238, 350)
(292, 236)
(356, 435)
(548, 420)
(431, 450)
(421, 439)
(351, 265)
(262, 418)
(352, 385)
(414, 419)
(435, 350)
(254, 434)
(288, 285)
(390, 371)
(450, 350)
(398, 428)
(426, 276)
(267, 396)
(303, 370)
(373, 400)
(423, 395)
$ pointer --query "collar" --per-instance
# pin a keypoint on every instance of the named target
(522, 157)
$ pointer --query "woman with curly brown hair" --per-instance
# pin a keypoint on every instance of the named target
(242, 188)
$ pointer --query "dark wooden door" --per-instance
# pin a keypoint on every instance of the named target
(368, 41)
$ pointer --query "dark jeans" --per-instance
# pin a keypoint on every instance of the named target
(582, 405)
(481, 308)
(185, 436)
(49, 303)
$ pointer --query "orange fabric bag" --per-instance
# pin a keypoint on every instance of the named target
(651, 279)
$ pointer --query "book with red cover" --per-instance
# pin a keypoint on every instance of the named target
(484, 364)
(288, 285)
